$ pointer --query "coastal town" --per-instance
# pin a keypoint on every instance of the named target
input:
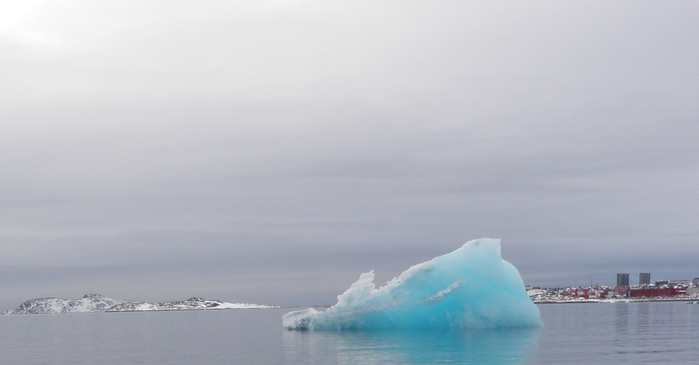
(645, 291)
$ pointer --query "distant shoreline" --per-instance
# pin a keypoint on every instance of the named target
(618, 301)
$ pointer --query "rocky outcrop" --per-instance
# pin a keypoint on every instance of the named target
(97, 303)
(86, 304)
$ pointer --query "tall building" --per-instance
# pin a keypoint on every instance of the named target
(622, 279)
(644, 279)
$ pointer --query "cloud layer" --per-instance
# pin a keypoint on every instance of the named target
(272, 152)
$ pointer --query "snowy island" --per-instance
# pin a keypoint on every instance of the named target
(91, 303)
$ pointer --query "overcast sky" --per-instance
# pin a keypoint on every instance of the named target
(271, 151)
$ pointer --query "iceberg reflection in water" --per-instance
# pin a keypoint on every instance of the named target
(494, 346)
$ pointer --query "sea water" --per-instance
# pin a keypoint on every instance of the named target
(633, 333)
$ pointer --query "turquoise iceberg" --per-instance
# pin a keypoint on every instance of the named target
(470, 288)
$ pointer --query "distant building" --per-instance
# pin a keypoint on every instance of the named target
(644, 279)
(653, 292)
(694, 289)
(622, 280)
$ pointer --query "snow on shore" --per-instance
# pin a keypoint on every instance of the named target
(91, 303)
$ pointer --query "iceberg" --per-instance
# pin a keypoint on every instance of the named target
(469, 288)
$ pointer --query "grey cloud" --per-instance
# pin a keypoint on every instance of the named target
(274, 151)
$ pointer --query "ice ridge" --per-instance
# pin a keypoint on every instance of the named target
(470, 288)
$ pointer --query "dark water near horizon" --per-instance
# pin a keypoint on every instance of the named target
(633, 333)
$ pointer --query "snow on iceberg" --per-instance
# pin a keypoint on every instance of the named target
(470, 288)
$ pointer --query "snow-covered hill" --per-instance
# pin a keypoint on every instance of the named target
(98, 303)
(189, 304)
(88, 303)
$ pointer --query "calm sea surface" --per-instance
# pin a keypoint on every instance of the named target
(633, 333)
